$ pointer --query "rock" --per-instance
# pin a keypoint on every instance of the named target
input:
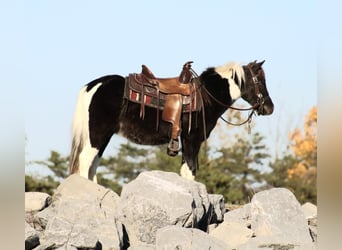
(313, 228)
(175, 237)
(40, 219)
(157, 199)
(82, 215)
(240, 215)
(309, 210)
(160, 210)
(218, 208)
(276, 214)
(31, 237)
(36, 201)
(232, 233)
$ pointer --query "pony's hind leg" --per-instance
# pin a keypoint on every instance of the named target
(88, 162)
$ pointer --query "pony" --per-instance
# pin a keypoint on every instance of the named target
(102, 110)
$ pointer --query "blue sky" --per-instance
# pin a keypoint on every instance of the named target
(69, 43)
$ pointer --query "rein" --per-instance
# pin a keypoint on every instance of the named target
(258, 105)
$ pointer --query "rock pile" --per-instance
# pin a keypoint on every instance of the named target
(160, 210)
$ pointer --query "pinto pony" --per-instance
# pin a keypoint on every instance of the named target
(103, 110)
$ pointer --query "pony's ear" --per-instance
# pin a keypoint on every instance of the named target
(261, 63)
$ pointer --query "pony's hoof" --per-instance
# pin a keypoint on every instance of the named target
(173, 147)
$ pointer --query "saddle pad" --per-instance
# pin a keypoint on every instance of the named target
(152, 101)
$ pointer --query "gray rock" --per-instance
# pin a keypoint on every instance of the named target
(82, 215)
(276, 214)
(175, 237)
(40, 219)
(218, 208)
(157, 199)
(309, 210)
(31, 237)
(313, 228)
(36, 201)
(240, 215)
(232, 233)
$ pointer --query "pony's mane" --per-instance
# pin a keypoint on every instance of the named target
(231, 70)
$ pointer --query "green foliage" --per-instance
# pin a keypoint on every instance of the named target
(40, 184)
(58, 165)
(162, 161)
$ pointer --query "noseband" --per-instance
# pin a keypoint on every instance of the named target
(259, 105)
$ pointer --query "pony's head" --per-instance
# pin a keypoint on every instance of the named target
(253, 88)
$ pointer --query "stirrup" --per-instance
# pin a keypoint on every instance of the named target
(174, 146)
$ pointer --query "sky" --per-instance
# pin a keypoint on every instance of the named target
(70, 43)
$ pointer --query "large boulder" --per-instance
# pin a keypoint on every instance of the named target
(82, 216)
(277, 217)
(157, 199)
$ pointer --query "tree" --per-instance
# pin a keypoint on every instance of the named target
(304, 147)
(58, 165)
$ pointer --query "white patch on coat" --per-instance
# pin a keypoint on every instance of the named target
(229, 71)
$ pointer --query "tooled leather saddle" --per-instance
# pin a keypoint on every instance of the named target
(172, 96)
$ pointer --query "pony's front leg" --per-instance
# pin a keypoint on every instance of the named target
(191, 146)
(185, 172)
(88, 162)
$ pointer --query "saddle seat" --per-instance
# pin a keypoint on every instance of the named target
(171, 85)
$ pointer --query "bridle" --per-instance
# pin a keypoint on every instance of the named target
(258, 106)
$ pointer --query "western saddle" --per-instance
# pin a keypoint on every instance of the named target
(171, 95)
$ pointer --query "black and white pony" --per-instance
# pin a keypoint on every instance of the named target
(102, 111)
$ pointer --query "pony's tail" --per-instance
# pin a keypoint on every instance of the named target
(79, 130)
